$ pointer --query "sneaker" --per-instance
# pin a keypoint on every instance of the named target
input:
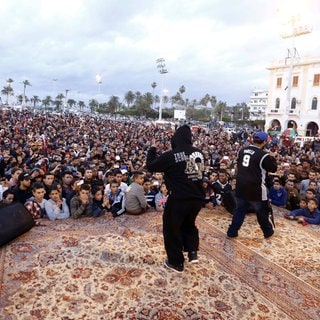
(193, 257)
(170, 266)
(115, 215)
(230, 235)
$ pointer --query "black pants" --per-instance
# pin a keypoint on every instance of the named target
(179, 230)
(261, 209)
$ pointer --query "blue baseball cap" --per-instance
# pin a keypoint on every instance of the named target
(260, 137)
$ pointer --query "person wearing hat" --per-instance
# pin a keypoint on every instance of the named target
(253, 165)
(22, 192)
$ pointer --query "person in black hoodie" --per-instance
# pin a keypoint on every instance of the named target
(183, 169)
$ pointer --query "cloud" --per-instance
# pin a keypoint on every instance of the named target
(210, 46)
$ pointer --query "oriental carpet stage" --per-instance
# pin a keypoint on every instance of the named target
(107, 268)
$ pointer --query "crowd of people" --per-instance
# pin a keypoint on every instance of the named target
(62, 166)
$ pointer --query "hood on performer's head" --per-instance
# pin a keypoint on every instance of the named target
(182, 136)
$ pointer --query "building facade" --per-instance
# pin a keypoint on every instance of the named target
(258, 104)
(294, 94)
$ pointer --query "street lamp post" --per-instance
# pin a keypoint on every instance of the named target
(161, 65)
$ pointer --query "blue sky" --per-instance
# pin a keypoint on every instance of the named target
(210, 46)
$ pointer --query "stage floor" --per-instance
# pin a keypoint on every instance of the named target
(107, 268)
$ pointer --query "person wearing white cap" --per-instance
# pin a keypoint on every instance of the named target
(253, 165)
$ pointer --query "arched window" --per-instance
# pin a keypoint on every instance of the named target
(293, 103)
(314, 104)
(277, 103)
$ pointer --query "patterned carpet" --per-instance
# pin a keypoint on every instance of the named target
(109, 268)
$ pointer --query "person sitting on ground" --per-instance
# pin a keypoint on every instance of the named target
(148, 192)
(56, 207)
(75, 185)
(161, 197)
(277, 194)
(15, 172)
(36, 204)
(81, 205)
(293, 196)
(116, 199)
(4, 185)
(67, 178)
(7, 198)
(305, 182)
(48, 181)
(99, 202)
(22, 192)
(118, 177)
(136, 202)
(126, 177)
(310, 194)
(314, 185)
(310, 214)
(222, 190)
(302, 203)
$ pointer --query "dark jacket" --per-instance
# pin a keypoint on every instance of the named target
(182, 166)
(253, 165)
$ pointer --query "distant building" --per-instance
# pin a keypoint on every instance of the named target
(294, 94)
(258, 104)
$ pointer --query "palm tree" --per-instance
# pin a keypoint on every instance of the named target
(129, 98)
(35, 100)
(113, 104)
(19, 98)
(58, 101)
(46, 102)
(25, 84)
(71, 103)
(182, 90)
(81, 105)
(204, 101)
(93, 104)
(219, 110)
(153, 85)
(8, 90)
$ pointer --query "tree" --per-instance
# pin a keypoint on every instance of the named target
(182, 90)
(113, 105)
(219, 110)
(25, 84)
(19, 98)
(129, 98)
(8, 90)
(213, 101)
(204, 101)
(143, 104)
(71, 102)
(81, 105)
(58, 102)
(153, 85)
(47, 101)
(93, 104)
(35, 100)
(177, 99)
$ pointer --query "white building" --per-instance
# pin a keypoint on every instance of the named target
(294, 93)
(258, 104)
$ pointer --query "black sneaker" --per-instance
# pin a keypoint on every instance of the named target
(193, 257)
(232, 235)
(170, 266)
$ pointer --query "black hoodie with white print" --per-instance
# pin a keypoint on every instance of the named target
(183, 166)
